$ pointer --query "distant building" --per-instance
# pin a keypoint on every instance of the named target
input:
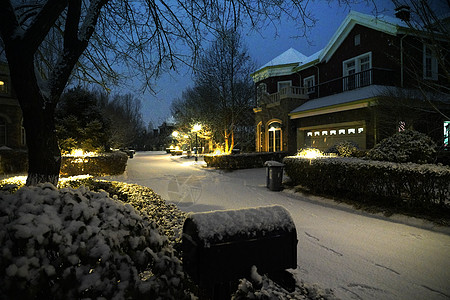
(337, 93)
(12, 133)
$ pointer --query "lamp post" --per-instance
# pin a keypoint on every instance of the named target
(197, 127)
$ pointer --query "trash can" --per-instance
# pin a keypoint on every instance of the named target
(274, 175)
(222, 246)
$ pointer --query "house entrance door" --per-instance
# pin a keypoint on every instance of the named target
(275, 137)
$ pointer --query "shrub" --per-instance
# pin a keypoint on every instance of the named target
(77, 244)
(242, 161)
(404, 146)
(13, 161)
(345, 149)
(411, 184)
(104, 164)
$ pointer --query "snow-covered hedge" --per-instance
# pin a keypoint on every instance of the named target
(76, 243)
(405, 146)
(242, 161)
(414, 184)
(104, 164)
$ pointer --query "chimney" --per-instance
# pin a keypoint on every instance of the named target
(403, 13)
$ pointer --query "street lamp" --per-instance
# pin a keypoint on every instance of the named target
(196, 128)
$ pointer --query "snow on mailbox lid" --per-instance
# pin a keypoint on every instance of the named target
(234, 225)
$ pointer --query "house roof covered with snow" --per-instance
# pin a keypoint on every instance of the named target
(290, 56)
(348, 100)
(281, 65)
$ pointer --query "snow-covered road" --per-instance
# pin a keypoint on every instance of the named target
(358, 255)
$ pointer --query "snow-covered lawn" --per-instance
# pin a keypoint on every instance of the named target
(358, 255)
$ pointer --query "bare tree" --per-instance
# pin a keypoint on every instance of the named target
(425, 47)
(222, 96)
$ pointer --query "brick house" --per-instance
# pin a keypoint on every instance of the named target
(12, 133)
(350, 90)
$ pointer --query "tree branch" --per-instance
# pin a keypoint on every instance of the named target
(45, 19)
(8, 21)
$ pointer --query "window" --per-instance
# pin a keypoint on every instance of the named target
(317, 133)
(332, 132)
(341, 131)
(309, 133)
(446, 134)
(430, 65)
(356, 72)
(309, 83)
(261, 91)
(357, 40)
(284, 84)
(2, 131)
(275, 137)
(259, 137)
(324, 132)
(351, 130)
(360, 130)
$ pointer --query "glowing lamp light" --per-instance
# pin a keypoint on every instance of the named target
(175, 134)
(310, 153)
(81, 153)
(218, 152)
(197, 127)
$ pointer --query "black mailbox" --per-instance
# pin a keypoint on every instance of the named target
(222, 246)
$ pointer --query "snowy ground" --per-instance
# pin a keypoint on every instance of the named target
(358, 255)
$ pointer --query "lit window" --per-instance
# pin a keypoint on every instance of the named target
(351, 130)
(309, 133)
(332, 132)
(446, 133)
(401, 126)
(360, 130)
(324, 132)
(316, 133)
(341, 131)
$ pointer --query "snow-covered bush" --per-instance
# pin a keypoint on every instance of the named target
(345, 149)
(418, 185)
(262, 287)
(103, 164)
(242, 161)
(167, 216)
(75, 243)
(404, 146)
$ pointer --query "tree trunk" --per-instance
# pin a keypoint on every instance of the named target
(44, 155)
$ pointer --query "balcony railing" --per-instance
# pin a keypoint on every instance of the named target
(376, 76)
(338, 85)
(357, 80)
(293, 92)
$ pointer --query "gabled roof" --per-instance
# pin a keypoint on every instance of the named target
(381, 23)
